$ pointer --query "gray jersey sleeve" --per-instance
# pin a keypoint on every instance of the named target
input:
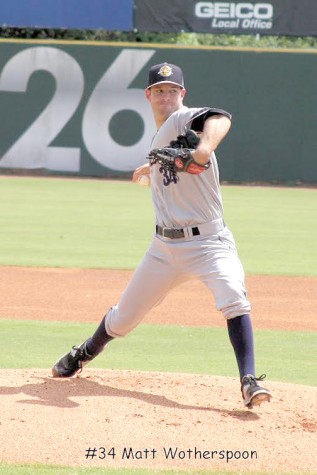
(183, 119)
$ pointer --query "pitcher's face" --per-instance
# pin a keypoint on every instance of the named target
(165, 99)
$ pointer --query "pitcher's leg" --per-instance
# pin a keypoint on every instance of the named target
(146, 288)
(224, 276)
(241, 336)
(151, 281)
(72, 363)
(96, 343)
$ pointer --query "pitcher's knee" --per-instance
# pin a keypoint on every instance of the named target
(235, 309)
(118, 325)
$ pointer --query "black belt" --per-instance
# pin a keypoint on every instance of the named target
(172, 233)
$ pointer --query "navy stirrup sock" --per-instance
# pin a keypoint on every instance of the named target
(98, 341)
(241, 337)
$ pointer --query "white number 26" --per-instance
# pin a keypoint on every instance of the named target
(111, 94)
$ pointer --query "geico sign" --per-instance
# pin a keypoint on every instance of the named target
(263, 11)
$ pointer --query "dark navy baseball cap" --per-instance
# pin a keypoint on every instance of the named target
(165, 73)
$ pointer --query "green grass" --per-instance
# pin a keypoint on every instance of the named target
(162, 348)
(96, 223)
(275, 228)
(73, 223)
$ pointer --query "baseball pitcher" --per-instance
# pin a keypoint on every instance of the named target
(191, 239)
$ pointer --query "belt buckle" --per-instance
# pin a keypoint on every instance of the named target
(177, 233)
(171, 233)
(168, 233)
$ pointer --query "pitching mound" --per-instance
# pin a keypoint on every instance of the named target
(137, 419)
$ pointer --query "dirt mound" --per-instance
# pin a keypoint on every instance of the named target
(155, 420)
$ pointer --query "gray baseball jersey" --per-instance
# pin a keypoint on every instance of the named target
(191, 241)
(194, 199)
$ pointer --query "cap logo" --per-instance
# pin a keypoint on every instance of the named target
(165, 71)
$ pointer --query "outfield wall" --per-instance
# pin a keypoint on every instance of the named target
(79, 108)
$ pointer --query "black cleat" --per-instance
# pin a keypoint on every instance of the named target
(71, 363)
(253, 394)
